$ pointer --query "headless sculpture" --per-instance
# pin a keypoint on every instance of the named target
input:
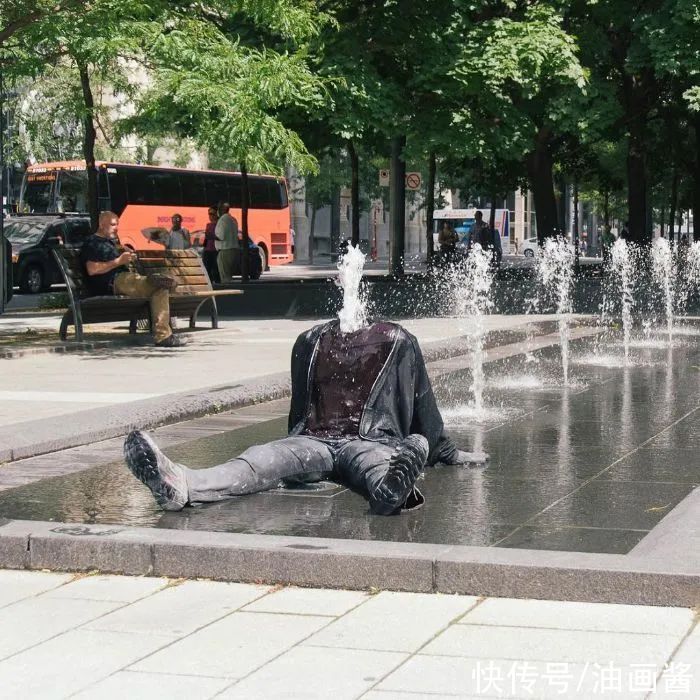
(362, 413)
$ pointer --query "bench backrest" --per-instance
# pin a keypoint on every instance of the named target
(185, 266)
(68, 260)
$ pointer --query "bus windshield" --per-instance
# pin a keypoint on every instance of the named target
(71, 192)
(37, 193)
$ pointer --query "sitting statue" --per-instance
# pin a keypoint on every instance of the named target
(362, 413)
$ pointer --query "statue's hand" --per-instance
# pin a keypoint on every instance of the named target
(461, 457)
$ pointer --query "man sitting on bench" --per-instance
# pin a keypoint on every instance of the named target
(107, 274)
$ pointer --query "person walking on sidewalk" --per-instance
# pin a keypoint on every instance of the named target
(226, 233)
(108, 273)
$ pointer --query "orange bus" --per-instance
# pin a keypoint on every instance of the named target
(145, 196)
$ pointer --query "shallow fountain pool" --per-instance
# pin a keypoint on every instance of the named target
(588, 467)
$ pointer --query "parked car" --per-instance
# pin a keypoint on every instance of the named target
(529, 249)
(33, 239)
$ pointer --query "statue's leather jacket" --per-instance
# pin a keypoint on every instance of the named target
(401, 401)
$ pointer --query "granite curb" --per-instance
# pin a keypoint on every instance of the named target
(19, 441)
(350, 564)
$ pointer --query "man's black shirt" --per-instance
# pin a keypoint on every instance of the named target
(99, 249)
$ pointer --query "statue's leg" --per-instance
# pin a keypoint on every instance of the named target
(260, 468)
(387, 474)
(257, 469)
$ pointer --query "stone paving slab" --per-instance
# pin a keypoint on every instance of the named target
(136, 685)
(17, 585)
(432, 646)
(251, 640)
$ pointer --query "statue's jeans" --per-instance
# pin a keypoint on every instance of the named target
(357, 463)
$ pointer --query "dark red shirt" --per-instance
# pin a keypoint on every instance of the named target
(209, 237)
(347, 365)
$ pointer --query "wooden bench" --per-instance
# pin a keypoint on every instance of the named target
(194, 289)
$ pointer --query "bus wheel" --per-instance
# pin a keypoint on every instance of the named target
(263, 257)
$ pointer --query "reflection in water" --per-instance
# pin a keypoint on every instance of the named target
(626, 411)
(668, 385)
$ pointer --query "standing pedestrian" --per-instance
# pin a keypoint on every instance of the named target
(226, 232)
(210, 253)
(178, 237)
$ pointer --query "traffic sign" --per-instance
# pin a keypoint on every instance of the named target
(384, 178)
(413, 181)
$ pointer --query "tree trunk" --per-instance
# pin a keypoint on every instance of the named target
(430, 207)
(312, 228)
(335, 235)
(245, 206)
(354, 194)
(606, 209)
(637, 191)
(560, 194)
(696, 180)
(662, 222)
(575, 232)
(674, 204)
(397, 199)
(540, 173)
(89, 137)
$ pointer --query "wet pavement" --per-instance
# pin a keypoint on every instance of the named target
(591, 468)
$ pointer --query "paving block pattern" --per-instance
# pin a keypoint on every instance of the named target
(148, 637)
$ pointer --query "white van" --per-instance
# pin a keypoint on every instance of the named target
(529, 249)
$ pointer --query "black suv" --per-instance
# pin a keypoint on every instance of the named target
(33, 238)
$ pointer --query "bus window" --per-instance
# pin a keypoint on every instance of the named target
(38, 190)
(235, 192)
(117, 191)
(166, 188)
(193, 192)
(71, 191)
(139, 187)
(266, 193)
(216, 189)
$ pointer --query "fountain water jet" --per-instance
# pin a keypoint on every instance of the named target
(555, 272)
(471, 283)
(622, 266)
(353, 314)
(664, 271)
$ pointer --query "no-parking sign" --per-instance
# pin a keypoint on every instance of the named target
(413, 181)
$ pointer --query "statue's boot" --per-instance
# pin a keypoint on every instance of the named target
(165, 478)
(405, 466)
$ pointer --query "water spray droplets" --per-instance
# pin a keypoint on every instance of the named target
(555, 273)
(353, 314)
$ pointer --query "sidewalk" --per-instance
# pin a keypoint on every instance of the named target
(57, 385)
(113, 637)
